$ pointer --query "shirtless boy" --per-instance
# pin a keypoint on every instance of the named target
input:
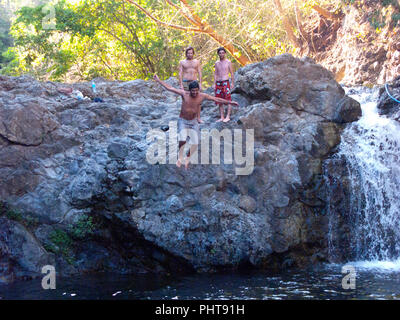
(189, 69)
(191, 103)
(223, 68)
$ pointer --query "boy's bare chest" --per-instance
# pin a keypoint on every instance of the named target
(190, 102)
(222, 67)
(189, 64)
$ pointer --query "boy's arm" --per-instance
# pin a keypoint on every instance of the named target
(215, 75)
(168, 87)
(199, 72)
(232, 74)
(180, 75)
(219, 100)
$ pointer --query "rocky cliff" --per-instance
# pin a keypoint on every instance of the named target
(78, 191)
(361, 46)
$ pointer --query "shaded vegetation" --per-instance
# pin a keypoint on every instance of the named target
(15, 215)
(83, 228)
(61, 243)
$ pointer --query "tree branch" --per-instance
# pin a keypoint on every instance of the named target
(287, 25)
(242, 59)
(325, 13)
(124, 43)
(136, 38)
(204, 27)
(189, 19)
(173, 26)
(108, 67)
(194, 15)
(300, 26)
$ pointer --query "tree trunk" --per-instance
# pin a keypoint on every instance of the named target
(302, 32)
(288, 26)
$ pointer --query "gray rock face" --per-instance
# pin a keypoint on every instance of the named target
(299, 83)
(388, 106)
(22, 254)
(100, 204)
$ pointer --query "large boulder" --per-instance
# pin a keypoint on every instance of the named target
(299, 83)
(86, 173)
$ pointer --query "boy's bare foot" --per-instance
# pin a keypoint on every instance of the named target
(178, 163)
(186, 161)
(226, 119)
(222, 119)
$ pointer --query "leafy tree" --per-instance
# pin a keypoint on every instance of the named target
(5, 38)
(128, 39)
(93, 38)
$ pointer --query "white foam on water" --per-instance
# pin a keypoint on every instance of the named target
(377, 265)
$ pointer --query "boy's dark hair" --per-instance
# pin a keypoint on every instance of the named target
(193, 85)
(221, 48)
(187, 49)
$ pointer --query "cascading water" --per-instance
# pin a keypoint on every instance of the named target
(370, 149)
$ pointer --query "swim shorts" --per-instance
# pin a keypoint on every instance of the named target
(188, 128)
(223, 90)
(186, 84)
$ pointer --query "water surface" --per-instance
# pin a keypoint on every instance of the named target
(374, 280)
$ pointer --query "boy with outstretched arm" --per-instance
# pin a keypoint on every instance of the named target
(188, 125)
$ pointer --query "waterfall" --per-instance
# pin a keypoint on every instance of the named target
(370, 149)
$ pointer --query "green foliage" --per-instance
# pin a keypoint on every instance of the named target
(15, 215)
(386, 3)
(60, 243)
(83, 228)
(93, 38)
(348, 1)
(60, 238)
(396, 18)
(39, 49)
(377, 20)
(5, 37)
(115, 40)
(12, 62)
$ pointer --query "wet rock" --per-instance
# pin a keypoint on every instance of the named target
(17, 244)
(348, 110)
(386, 105)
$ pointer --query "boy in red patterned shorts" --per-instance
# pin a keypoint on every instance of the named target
(223, 68)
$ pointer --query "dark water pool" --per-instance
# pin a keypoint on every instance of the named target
(372, 281)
